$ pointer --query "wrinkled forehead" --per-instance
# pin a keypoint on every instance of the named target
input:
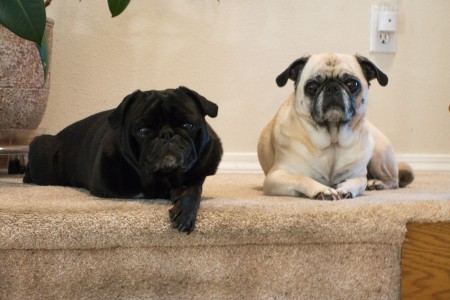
(325, 66)
(167, 104)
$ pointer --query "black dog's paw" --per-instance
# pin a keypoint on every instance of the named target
(183, 220)
(186, 202)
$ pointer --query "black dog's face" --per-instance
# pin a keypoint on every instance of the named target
(163, 131)
(166, 133)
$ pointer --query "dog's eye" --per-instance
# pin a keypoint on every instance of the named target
(353, 85)
(311, 88)
(188, 126)
(143, 131)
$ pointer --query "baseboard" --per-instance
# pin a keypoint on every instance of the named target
(427, 162)
(248, 162)
(240, 162)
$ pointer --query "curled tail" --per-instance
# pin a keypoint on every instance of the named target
(405, 174)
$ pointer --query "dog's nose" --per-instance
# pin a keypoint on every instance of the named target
(332, 89)
(166, 133)
(333, 94)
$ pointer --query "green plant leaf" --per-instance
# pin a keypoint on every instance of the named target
(43, 53)
(116, 7)
(25, 18)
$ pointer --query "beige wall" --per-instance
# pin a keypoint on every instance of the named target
(231, 51)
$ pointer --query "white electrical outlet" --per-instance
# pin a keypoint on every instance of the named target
(383, 38)
(381, 41)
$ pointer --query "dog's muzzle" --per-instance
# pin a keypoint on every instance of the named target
(169, 152)
(333, 105)
(333, 97)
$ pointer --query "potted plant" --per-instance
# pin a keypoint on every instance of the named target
(25, 51)
(27, 19)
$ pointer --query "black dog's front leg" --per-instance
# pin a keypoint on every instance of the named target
(186, 201)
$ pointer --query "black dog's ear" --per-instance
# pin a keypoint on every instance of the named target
(208, 108)
(292, 72)
(370, 71)
(115, 119)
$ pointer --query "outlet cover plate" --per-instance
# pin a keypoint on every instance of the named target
(382, 42)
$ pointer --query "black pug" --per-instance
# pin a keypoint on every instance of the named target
(155, 144)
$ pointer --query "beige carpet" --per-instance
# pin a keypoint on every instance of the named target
(62, 243)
